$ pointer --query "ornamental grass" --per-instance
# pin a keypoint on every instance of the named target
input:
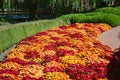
(70, 52)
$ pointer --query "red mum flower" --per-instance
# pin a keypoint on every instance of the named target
(50, 46)
(41, 33)
(22, 62)
(17, 60)
(100, 29)
(63, 27)
(77, 71)
(100, 69)
(53, 69)
(5, 78)
(31, 38)
(73, 25)
(9, 72)
(51, 58)
(62, 43)
(76, 35)
(31, 54)
(92, 71)
(30, 78)
(87, 25)
(62, 52)
(55, 38)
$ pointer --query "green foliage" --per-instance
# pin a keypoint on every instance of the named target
(54, 7)
(5, 40)
(110, 10)
(117, 7)
(6, 21)
(110, 19)
(71, 6)
(95, 17)
(10, 37)
(71, 18)
(12, 34)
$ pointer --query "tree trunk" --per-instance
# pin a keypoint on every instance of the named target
(8, 7)
(1, 5)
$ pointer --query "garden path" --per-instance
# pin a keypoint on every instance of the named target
(111, 38)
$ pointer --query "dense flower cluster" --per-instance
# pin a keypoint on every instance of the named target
(70, 52)
(89, 72)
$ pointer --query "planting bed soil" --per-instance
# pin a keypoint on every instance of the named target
(70, 52)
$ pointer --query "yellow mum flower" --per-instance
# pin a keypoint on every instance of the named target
(35, 71)
(105, 26)
(56, 76)
(54, 64)
(103, 79)
(16, 54)
(38, 60)
(71, 60)
(91, 57)
(10, 65)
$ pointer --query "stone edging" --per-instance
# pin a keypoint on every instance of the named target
(6, 52)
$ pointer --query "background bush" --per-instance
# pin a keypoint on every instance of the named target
(94, 17)
(6, 21)
(110, 10)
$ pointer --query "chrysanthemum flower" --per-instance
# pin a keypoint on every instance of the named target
(56, 76)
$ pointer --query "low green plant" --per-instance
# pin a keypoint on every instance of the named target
(110, 10)
(4, 21)
(12, 34)
(94, 17)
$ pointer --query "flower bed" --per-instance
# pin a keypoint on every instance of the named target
(70, 52)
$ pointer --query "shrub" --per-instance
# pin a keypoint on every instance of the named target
(110, 10)
(12, 34)
(94, 17)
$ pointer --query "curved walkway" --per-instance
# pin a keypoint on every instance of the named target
(111, 38)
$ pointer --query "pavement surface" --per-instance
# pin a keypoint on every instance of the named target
(111, 38)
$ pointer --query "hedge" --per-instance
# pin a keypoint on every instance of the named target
(94, 17)
(110, 10)
(12, 34)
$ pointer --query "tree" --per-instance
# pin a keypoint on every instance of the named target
(8, 7)
(31, 6)
(1, 5)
